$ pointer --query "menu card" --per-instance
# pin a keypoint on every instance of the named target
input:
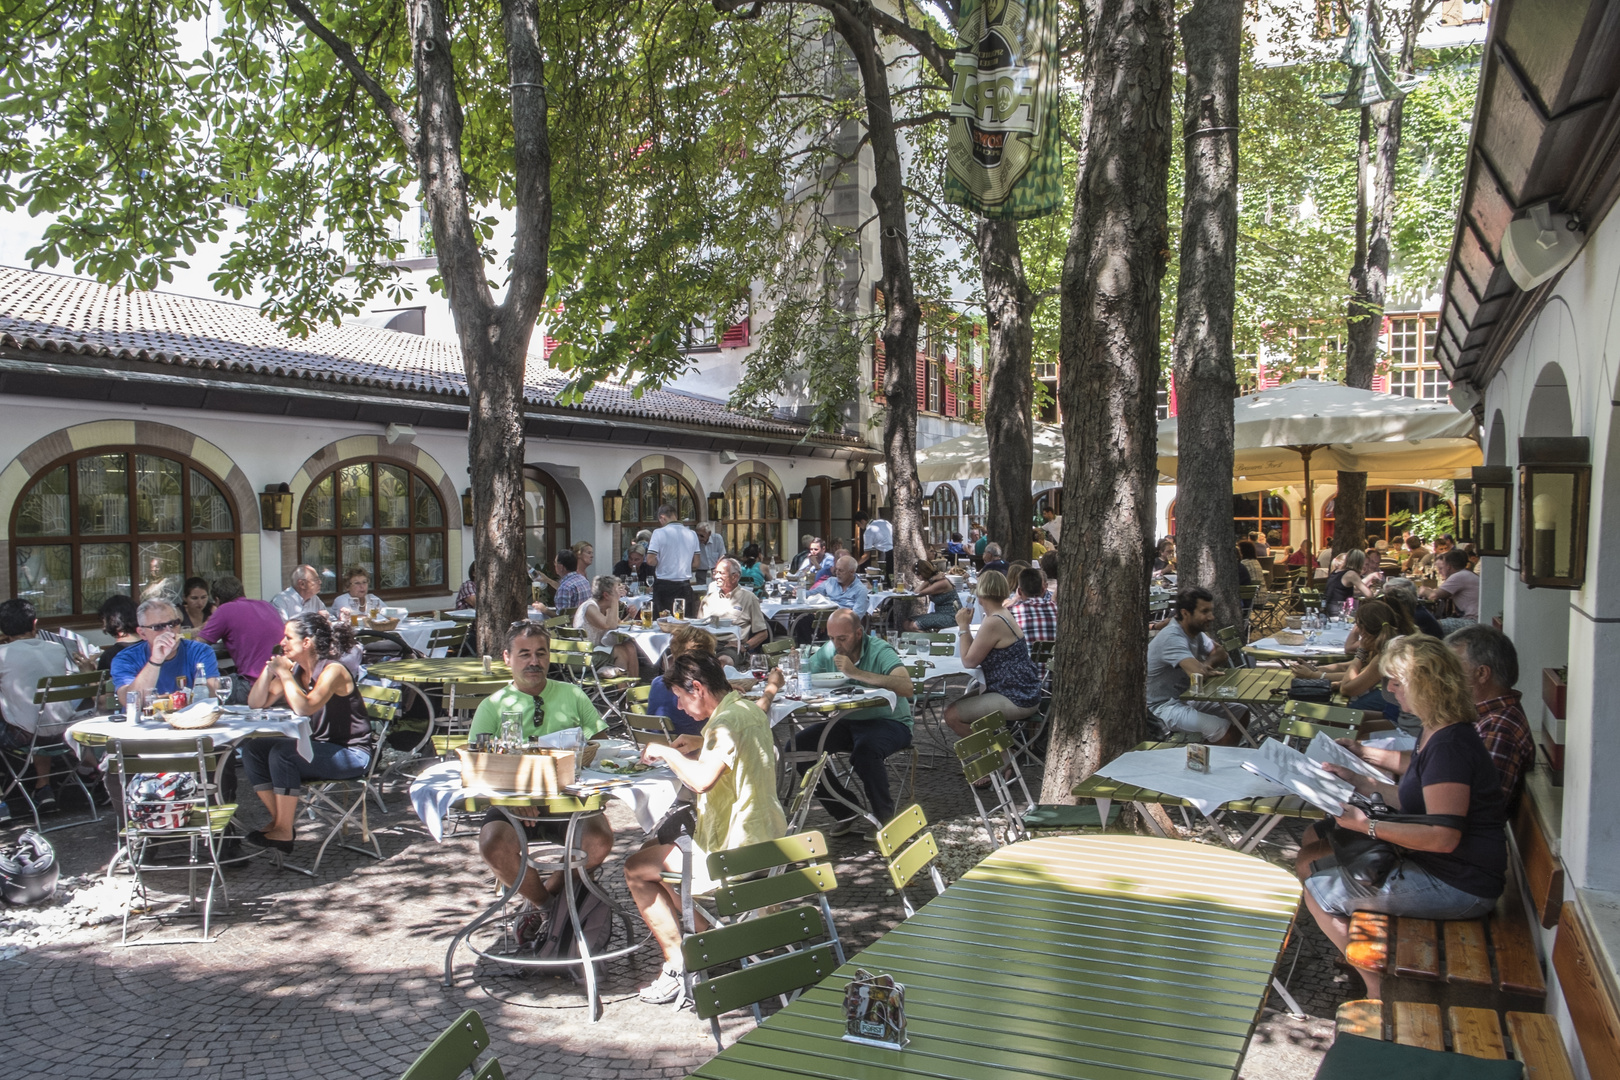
(875, 1010)
(1282, 764)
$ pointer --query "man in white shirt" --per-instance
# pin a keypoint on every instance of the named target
(711, 549)
(877, 542)
(25, 658)
(738, 606)
(1053, 524)
(303, 596)
(673, 553)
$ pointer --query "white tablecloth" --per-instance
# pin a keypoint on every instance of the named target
(650, 796)
(1329, 643)
(774, 609)
(1166, 771)
(416, 632)
(654, 642)
(783, 707)
(237, 724)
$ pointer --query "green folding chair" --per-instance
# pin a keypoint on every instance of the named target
(908, 848)
(794, 966)
(454, 1054)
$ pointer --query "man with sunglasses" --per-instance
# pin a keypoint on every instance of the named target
(162, 655)
(544, 707)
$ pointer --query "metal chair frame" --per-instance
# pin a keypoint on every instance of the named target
(908, 847)
(49, 690)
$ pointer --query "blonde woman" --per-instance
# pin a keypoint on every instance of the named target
(1447, 871)
(1012, 680)
(599, 618)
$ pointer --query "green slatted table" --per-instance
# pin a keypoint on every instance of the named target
(1073, 957)
(1263, 690)
(1272, 810)
(441, 670)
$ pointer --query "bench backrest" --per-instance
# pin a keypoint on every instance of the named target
(1588, 994)
(1543, 873)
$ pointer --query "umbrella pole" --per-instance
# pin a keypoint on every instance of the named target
(1305, 453)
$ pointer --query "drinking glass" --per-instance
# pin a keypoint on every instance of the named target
(758, 666)
(226, 684)
(678, 608)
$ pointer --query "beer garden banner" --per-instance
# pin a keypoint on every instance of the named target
(1003, 159)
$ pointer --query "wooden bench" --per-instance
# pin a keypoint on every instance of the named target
(1543, 873)
(1532, 1038)
(1469, 962)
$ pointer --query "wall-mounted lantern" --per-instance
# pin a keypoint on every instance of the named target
(1493, 509)
(1465, 510)
(1555, 479)
(276, 507)
(466, 507)
(612, 506)
(717, 506)
(795, 506)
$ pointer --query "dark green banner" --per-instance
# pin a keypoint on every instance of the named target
(1003, 159)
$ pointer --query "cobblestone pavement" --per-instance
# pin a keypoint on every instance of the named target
(341, 975)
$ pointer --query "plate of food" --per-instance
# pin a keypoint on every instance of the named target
(826, 680)
(623, 767)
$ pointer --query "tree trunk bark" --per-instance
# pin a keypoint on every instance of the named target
(1377, 149)
(1009, 393)
(1109, 351)
(494, 338)
(901, 314)
(1206, 380)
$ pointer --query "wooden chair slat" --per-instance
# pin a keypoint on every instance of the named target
(1466, 958)
(1369, 941)
(778, 975)
(1517, 961)
(726, 944)
(1538, 1046)
(1417, 949)
(906, 824)
(1417, 1024)
(753, 858)
(1476, 1032)
(1543, 873)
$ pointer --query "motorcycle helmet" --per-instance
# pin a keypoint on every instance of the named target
(28, 870)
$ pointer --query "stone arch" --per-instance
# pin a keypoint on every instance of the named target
(377, 447)
(755, 467)
(16, 476)
(664, 462)
(1496, 443)
(1548, 412)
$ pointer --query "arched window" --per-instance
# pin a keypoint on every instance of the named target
(1263, 512)
(647, 493)
(978, 507)
(545, 519)
(753, 516)
(380, 515)
(942, 514)
(111, 521)
(1385, 503)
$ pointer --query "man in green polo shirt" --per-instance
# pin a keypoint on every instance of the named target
(545, 707)
(868, 736)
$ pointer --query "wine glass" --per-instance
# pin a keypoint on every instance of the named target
(759, 666)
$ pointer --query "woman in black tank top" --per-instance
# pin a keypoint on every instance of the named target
(309, 678)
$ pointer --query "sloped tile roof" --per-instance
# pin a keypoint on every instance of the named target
(52, 313)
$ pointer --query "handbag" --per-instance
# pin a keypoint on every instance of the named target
(678, 821)
(1369, 861)
(1318, 690)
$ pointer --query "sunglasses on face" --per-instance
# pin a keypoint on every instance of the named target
(162, 625)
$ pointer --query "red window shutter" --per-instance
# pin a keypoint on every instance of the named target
(550, 346)
(950, 388)
(978, 394)
(735, 337)
(1380, 384)
(880, 370)
(922, 381)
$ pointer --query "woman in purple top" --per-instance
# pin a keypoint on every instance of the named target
(310, 678)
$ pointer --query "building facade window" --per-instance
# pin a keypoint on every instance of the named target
(1383, 503)
(1411, 343)
(943, 514)
(754, 516)
(381, 516)
(1261, 512)
(647, 493)
(545, 519)
(111, 521)
(978, 507)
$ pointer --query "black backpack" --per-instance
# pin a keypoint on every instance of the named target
(595, 919)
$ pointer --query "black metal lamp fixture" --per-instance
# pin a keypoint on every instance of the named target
(1555, 480)
(276, 507)
(717, 506)
(1465, 510)
(466, 506)
(612, 506)
(795, 506)
(1493, 509)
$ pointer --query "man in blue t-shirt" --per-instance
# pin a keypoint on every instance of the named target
(867, 735)
(162, 656)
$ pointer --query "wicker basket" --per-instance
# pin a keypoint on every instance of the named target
(1290, 637)
(195, 722)
(544, 773)
(382, 624)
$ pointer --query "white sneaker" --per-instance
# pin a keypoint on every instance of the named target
(664, 989)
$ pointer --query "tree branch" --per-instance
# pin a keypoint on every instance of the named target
(918, 38)
(531, 148)
(968, 233)
(351, 63)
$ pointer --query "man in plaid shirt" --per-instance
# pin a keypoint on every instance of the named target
(1036, 615)
(1491, 664)
(572, 588)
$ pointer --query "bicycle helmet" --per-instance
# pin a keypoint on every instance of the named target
(28, 870)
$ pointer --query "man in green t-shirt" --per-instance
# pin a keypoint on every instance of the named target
(979, 544)
(545, 707)
(868, 736)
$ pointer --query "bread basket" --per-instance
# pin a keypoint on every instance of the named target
(192, 718)
(383, 624)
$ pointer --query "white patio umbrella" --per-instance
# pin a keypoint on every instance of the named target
(1280, 435)
(967, 457)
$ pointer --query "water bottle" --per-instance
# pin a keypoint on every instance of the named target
(200, 689)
